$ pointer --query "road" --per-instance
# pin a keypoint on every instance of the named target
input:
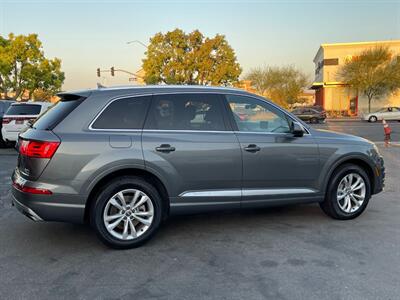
(292, 252)
(371, 131)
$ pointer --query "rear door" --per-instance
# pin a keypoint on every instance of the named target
(276, 165)
(188, 142)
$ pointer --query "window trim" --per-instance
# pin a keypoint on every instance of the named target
(227, 113)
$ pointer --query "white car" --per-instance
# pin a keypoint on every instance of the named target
(17, 117)
(387, 113)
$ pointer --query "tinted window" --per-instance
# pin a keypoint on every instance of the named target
(55, 114)
(253, 115)
(24, 109)
(126, 113)
(186, 112)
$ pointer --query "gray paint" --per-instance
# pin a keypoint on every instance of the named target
(208, 170)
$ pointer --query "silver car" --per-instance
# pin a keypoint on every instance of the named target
(124, 159)
(387, 113)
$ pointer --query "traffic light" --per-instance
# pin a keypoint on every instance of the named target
(112, 71)
(98, 72)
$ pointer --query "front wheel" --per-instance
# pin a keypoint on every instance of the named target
(348, 193)
(127, 212)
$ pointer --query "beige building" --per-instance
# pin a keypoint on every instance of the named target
(337, 97)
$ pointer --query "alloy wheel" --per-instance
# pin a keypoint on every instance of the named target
(128, 214)
(351, 193)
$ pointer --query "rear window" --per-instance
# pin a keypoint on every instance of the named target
(24, 109)
(55, 114)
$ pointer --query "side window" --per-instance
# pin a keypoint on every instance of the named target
(126, 113)
(253, 115)
(186, 112)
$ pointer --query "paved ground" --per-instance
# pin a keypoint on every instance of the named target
(292, 252)
(371, 131)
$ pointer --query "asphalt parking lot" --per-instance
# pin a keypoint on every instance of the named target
(292, 252)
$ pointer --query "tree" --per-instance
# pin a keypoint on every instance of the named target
(375, 73)
(283, 85)
(23, 67)
(180, 58)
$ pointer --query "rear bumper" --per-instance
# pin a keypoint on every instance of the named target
(26, 210)
(55, 207)
(11, 136)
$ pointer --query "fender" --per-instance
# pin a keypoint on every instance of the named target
(351, 156)
(115, 167)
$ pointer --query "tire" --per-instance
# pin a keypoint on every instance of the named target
(313, 120)
(372, 119)
(102, 207)
(332, 206)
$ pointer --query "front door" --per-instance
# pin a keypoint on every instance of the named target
(276, 165)
(188, 142)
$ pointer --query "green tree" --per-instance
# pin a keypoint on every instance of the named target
(375, 73)
(177, 57)
(23, 67)
(283, 85)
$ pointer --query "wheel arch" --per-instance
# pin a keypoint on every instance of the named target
(145, 174)
(355, 160)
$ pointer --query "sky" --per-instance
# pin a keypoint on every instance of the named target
(87, 35)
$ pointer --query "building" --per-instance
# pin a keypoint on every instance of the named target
(335, 96)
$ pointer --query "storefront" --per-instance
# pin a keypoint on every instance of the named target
(338, 98)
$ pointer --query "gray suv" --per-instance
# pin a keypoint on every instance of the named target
(124, 159)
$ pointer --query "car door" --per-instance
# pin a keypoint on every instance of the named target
(187, 141)
(396, 113)
(392, 113)
(277, 166)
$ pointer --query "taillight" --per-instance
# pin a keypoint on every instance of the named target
(37, 149)
(6, 120)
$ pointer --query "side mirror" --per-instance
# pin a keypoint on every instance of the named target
(297, 129)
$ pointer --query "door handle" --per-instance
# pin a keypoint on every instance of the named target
(165, 148)
(252, 148)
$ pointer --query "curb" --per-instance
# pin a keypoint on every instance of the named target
(343, 120)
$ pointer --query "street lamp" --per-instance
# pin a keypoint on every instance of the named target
(138, 42)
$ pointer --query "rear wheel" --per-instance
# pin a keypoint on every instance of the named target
(127, 212)
(348, 193)
(373, 119)
(313, 120)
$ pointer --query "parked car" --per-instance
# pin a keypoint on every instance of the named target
(316, 107)
(4, 104)
(17, 117)
(387, 113)
(309, 114)
(124, 159)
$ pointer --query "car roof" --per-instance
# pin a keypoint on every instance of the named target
(150, 89)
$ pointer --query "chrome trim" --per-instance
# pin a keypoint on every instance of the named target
(267, 192)
(67, 205)
(246, 192)
(188, 131)
(212, 193)
(230, 92)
